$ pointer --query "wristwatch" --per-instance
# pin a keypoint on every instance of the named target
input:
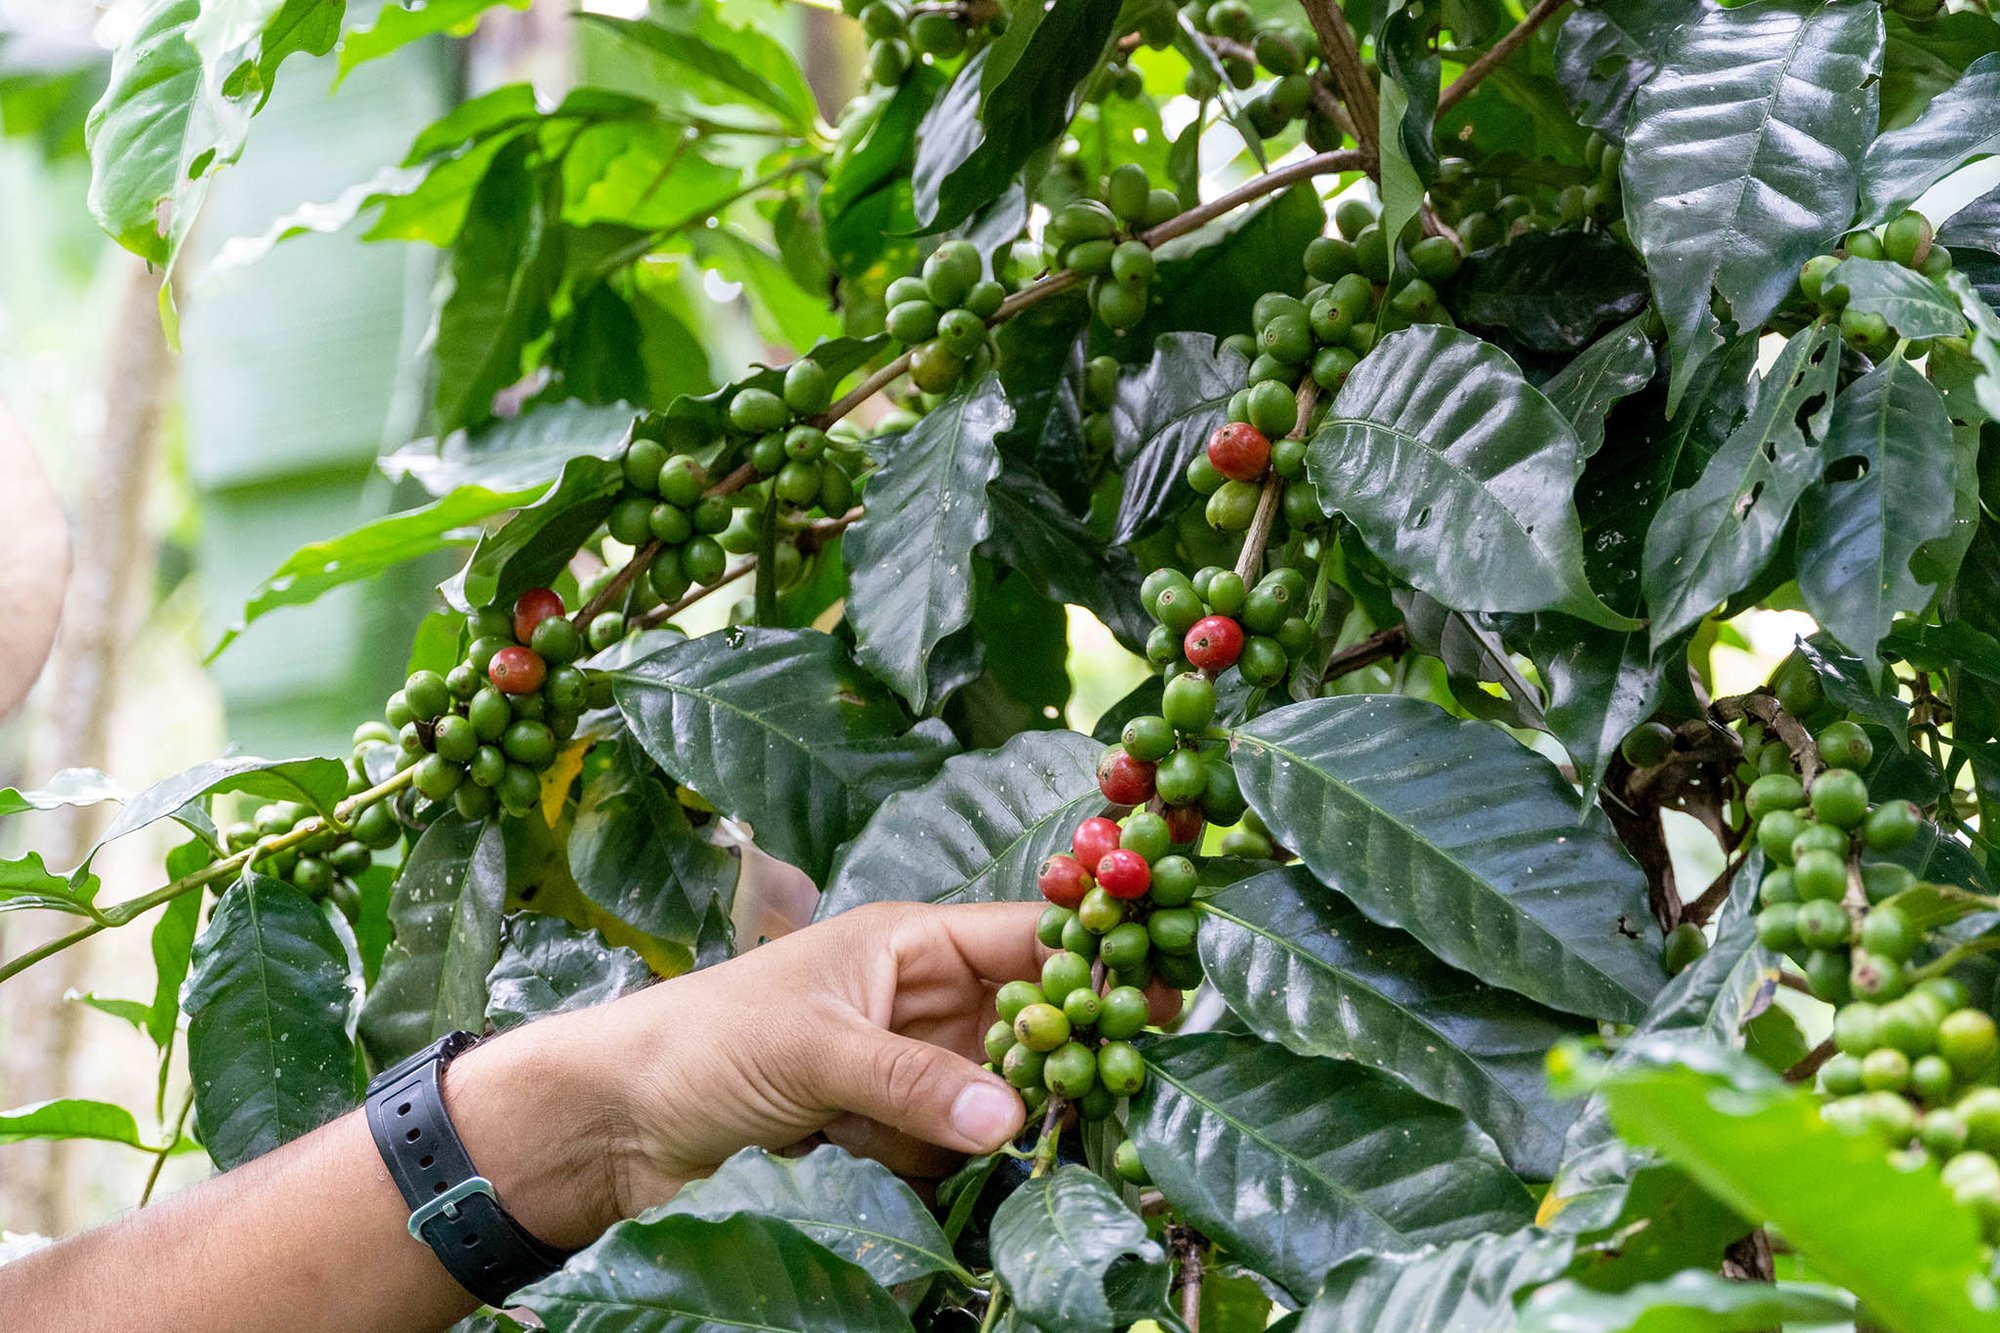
(453, 1208)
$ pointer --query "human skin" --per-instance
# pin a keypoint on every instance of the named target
(864, 1029)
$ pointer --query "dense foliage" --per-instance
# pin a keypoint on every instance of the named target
(1452, 373)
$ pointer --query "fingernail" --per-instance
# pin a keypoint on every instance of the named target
(985, 1113)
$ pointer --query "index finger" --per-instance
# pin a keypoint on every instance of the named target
(996, 941)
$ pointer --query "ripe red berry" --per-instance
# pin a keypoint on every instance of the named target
(517, 671)
(1239, 451)
(1092, 840)
(1124, 874)
(1123, 779)
(1063, 880)
(1184, 823)
(1213, 643)
(531, 608)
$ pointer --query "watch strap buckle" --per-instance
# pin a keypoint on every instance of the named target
(446, 1204)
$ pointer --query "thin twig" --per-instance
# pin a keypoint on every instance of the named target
(614, 590)
(1350, 76)
(166, 1148)
(1378, 647)
(1045, 1146)
(1320, 164)
(1803, 1071)
(1261, 523)
(668, 611)
(1494, 58)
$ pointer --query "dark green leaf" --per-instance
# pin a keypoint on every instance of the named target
(672, 1274)
(1461, 836)
(1297, 1163)
(909, 559)
(1055, 1242)
(1167, 411)
(1744, 159)
(633, 852)
(1691, 1302)
(1036, 535)
(1607, 52)
(1468, 1286)
(1857, 536)
(1763, 1148)
(778, 728)
(70, 1118)
(267, 1006)
(532, 548)
(1407, 113)
(446, 912)
(518, 453)
(977, 831)
(1303, 968)
(1709, 541)
(1457, 473)
(1551, 291)
(1007, 103)
(867, 200)
(548, 966)
(1915, 306)
(173, 951)
(854, 1206)
(29, 884)
(1614, 367)
(1962, 124)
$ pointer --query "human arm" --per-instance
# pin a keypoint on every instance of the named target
(867, 1021)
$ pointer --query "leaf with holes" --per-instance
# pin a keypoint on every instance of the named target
(1857, 534)
(1297, 1163)
(1456, 833)
(1458, 474)
(977, 831)
(1305, 969)
(778, 728)
(1744, 159)
(1060, 1240)
(909, 560)
(1709, 541)
(1616, 366)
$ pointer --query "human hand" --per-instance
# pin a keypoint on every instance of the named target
(867, 1027)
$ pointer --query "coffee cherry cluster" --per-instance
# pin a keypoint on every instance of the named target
(1209, 624)
(1488, 210)
(1099, 239)
(664, 502)
(900, 35)
(482, 734)
(325, 865)
(1285, 50)
(941, 316)
(1907, 240)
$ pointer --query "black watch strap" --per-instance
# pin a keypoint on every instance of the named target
(453, 1208)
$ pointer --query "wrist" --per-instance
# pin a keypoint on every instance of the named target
(534, 1112)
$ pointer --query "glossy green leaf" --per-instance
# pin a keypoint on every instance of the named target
(1303, 968)
(1961, 125)
(867, 203)
(854, 1206)
(1033, 533)
(1296, 1163)
(1617, 365)
(1744, 159)
(517, 453)
(530, 549)
(909, 559)
(548, 966)
(1550, 291)
(172, 947)
(1915, 306)
(1457, 473)
(267, 1006)
(696, 51)
(1691, 1302)
(778, 728)
(446, 913)
(1057, 1240)
(70, 786)
(396, 25)
(1406, 112)
(1709, 541)
(27, 884)
(1761, 1146)
(677, 1274)
(1607, 52)
(1166, 411)
(1468, 1286)
(977, 831)
(1857, 536)
(70, 1118)
(317, 783)
(1007, 103)
(633, 852)
(1456, 833)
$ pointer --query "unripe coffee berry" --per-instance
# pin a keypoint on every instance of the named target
(1049, 930)
(1188, 702)
(1148, 738)
(1063, 880)
(1041, 1027)
(1081, 1007)
(1147, 834)
(1174, 881)
(1124, 874)
(1071, 1071)
(1891, 825)
(999, 1041)
(1120, 1068)
(1239, 451)
(1839, 797)
(1015, 996)
(1099, 911)
(1062, 973)
(557, 641)
(1077, 938)
(1125, 946)
(517, 671)
(1181, 778)
(1023, 1067)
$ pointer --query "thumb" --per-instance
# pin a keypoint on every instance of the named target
(924, 1090)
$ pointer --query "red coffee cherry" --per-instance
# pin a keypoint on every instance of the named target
(1123, 779)
(1184, 823)
(517, 671)
(531, 608)
(1094, 838)
(1124, 874)
(1239, 451)
(1063, 880)
(1214, 643)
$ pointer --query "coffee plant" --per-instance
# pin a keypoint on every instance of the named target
(1420, 392)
